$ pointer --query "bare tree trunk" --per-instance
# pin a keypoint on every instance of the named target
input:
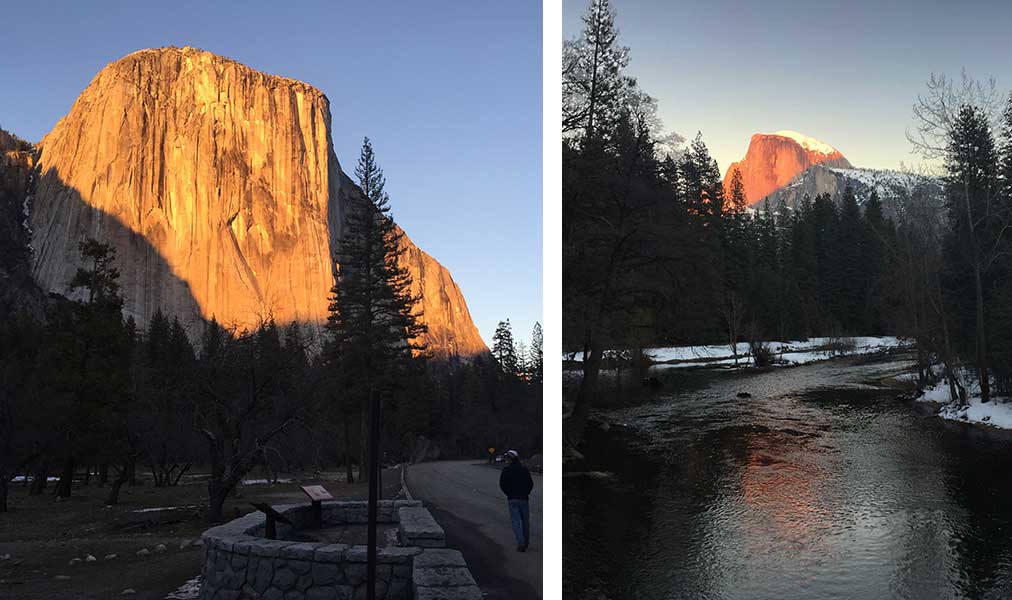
(363, 473)
(40, 479)
(117, 485)
(985, 385)
(585, 396)
(217, 492)
(63, 487)
(4, 477)
(103, 474)
(347, 449)
(182, 472)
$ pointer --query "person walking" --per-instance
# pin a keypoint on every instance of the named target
(515, 481)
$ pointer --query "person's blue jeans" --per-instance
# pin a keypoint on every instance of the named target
(520, 516)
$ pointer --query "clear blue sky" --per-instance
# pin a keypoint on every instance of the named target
(844, 72)
(449, 92)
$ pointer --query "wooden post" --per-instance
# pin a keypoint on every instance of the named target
(272, 518)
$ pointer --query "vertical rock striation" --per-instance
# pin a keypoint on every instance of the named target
(219, 187)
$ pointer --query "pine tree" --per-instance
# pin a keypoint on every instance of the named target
(537, 357)
(1005, 151)
(737, 204)
(849, 253)
(375, 328)
(594, 89)
(157, 339)
(503, 348)
(523, 361)
(977, 220)
(94, 347)
(701, 185)
(878, 236)
(825, 231)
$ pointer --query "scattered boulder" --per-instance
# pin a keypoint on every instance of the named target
(90, 558)
(160, 549)
(143, 552)
(128, 592)
(110, 556)
(74, 561)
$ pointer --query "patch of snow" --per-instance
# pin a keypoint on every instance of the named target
(794, 352)
(21, 479)
(263, 481)
(784, 353)
(937, 393)
(807, 142)
(163, 508)
(996, 413)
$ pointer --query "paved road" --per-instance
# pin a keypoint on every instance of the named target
(464, 497)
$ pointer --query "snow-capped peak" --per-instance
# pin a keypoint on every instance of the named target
(809, 143)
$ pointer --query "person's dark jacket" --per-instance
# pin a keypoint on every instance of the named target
(516, 482)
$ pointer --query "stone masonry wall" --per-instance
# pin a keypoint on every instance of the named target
(239, 563)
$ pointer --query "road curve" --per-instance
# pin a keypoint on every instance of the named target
(464, 497)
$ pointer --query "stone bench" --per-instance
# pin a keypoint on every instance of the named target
(416, 527)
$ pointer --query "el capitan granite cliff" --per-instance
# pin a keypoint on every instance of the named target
(219, 188)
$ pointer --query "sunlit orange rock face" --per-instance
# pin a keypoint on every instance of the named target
(773, 159)
(220, 190)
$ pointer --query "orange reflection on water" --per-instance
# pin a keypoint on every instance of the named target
(782, 501)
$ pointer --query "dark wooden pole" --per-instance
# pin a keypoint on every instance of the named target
(317, 515)
(373, 485)
(270, 527)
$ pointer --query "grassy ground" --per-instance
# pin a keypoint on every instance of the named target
(42, 535)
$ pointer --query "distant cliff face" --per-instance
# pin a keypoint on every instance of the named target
(17, 289)
(220, 190)
(773, 159)
(894, 188)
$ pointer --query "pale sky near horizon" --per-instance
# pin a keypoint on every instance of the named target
(449, 93)
(846, 73)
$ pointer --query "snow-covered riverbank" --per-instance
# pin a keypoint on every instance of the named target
(996, 413)
(797, 352)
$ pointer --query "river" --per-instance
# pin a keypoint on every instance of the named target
(821, 485)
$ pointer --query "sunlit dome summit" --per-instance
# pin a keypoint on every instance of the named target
(808, 142)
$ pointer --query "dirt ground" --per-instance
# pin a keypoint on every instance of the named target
(42, 535)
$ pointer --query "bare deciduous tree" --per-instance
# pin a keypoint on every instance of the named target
(936, 110)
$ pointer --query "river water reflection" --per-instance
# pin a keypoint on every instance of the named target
(818, 486)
